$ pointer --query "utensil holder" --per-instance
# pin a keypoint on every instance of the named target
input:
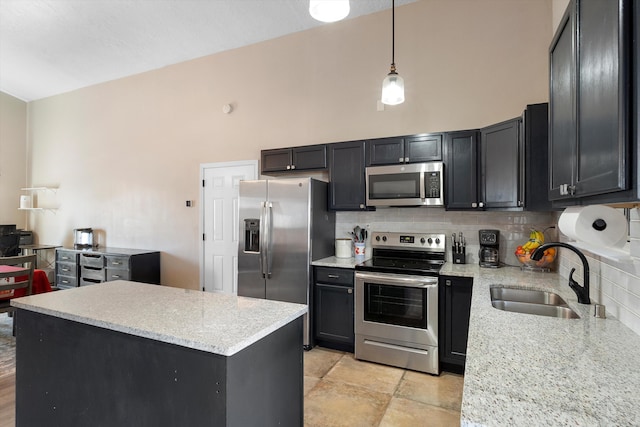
(359, 250)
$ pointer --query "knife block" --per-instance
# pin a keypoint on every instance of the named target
(459, 258)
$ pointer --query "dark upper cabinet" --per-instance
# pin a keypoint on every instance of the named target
(404, 149)
(590, 97)
(514, 162)
(347, 188)
(562, 121)
(333, 308)
(502, 167)
(312, 157)
(454, 312)
(500, 159)
(461, 169)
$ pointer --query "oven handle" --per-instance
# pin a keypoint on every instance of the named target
(421, 282)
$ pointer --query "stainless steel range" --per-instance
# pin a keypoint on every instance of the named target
(396, 314)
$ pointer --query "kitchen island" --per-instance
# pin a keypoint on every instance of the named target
(128, 353)
(524, 369)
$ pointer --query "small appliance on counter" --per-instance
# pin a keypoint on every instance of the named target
(489, 248)
(83, 238)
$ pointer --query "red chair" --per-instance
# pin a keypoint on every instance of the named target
(16, 272)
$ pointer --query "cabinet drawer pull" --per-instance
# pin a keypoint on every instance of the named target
(333, 276)
(115, 276)
(116, 263)
(65, 269)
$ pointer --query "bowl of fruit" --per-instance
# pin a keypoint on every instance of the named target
(523, 253)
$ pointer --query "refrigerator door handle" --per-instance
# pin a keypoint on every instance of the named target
(263, 239)
(268, 246)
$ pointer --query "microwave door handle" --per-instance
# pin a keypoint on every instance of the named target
(422, 192)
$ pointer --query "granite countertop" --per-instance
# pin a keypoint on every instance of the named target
(523, 369)
(333, 261)
(212, 322)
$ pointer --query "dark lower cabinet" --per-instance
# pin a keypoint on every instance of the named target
(333, 308)
(454, 309)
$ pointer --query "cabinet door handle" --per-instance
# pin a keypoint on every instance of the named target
(401, 159)
(481, 204)
(288, 167)
(361, 206)
(447, 282)
(406, 159)
(293, 166)
(350, 291)
(474, 205)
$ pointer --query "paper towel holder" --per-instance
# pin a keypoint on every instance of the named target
(599, 224)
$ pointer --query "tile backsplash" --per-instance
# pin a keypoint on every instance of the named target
(614, 284)
(514, 226)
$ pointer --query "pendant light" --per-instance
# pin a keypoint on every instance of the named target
(393, 84)
(329, 10)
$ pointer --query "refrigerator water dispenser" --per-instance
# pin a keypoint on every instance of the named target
(252, 235)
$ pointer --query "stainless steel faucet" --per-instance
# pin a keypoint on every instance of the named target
(581, 291)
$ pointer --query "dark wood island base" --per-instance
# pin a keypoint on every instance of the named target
(74, 374)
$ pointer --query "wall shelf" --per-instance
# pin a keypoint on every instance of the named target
(52, 189)
(48, 199)
(38, 209)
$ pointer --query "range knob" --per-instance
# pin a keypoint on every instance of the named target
(377, 238)
(430, 240)
(422, 240)
(437, 241)
(384, 238)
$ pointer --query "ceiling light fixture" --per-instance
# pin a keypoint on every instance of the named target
(329, 10)
(393, 84)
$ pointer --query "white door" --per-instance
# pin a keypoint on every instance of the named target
(219, 223)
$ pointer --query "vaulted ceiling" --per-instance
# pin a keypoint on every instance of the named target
(48, 47)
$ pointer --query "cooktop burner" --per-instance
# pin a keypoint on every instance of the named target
(405, 253)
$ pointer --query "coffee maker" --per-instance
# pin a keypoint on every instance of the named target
(489, 248)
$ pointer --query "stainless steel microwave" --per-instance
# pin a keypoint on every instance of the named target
(414, 184)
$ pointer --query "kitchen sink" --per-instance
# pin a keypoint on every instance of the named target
(531, 296)
(537, 309)
(531, 301)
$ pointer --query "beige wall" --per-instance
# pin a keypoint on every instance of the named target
(126, 154)
(559, 7)
(13, 158)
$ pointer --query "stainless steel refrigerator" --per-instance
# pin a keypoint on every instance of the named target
(284, 226)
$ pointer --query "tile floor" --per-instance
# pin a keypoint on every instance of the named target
(342, 391)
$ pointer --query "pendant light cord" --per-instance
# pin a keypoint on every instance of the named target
(393, 33)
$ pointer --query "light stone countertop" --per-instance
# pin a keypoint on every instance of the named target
(212, 322)
(333, 261)
(524, 370)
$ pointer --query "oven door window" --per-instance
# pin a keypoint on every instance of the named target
(395, 305)
(394, 186)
